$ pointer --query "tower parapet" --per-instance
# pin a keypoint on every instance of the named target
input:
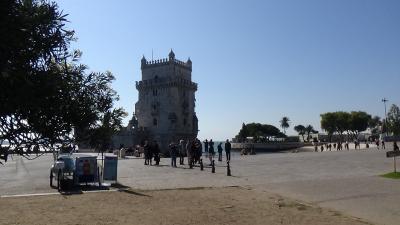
(166, 61)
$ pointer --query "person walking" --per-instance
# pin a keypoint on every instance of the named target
(156, 152)
(377, 143)
(182, 152)
(228, 148)
(173, 151)
(219, 147)
(383, 144)
(211, 151)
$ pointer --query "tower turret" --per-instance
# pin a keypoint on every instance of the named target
(143, 61)
(171, 55)
(189, 62)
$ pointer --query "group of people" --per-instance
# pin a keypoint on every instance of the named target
(210, 151)
(150, 151)
(339, 145)
(192, 149)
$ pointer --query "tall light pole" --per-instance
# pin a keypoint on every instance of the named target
(384, 100)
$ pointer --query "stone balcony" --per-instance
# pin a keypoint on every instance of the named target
(165, 82)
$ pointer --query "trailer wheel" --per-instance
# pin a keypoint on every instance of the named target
(51, 178)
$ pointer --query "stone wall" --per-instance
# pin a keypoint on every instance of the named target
(268, 147)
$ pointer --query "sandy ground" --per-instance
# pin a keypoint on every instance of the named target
(228, 205)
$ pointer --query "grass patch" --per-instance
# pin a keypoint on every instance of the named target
(392, 175)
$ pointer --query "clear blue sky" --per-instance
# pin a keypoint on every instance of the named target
(254, 61)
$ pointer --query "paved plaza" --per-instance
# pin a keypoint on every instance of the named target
(347, 181)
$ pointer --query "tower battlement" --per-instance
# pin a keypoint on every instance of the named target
(166, 61)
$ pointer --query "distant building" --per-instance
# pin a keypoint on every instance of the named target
(166, 105)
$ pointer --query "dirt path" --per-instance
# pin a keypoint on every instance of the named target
(230, 205)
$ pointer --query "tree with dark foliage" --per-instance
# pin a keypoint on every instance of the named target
(44, 94)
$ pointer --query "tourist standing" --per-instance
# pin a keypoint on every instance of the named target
(206, 147)
(199, 150)
(228, 150)
(4, 151)
(211, 151)
(193, 152)
(156, 152)
(147, 150)
(189, 153)
(383, 144)
(182, 152)
(173, 151)
(377, 143)
(219, 147)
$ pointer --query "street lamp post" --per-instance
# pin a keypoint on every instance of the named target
(384, 100)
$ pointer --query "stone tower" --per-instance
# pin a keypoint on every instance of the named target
(166, 105)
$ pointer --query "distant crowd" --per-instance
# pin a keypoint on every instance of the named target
(338, 146)
(190, 149)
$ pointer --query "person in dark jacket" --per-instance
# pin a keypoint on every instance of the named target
(182, 152)
(206, 147)
(211, 151)
(395, 146)
(228, 148)
(147, 153)
(173, 151)
(155, 149)
(219, 147)
(198, 148)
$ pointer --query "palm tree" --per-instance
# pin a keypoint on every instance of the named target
(301, 130)
(309, 130)
(285, 123)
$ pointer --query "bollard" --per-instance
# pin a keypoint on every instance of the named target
(228, 169)
(213, 167)
(201, 165)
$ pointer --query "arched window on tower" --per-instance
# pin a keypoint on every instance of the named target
(155, 122)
